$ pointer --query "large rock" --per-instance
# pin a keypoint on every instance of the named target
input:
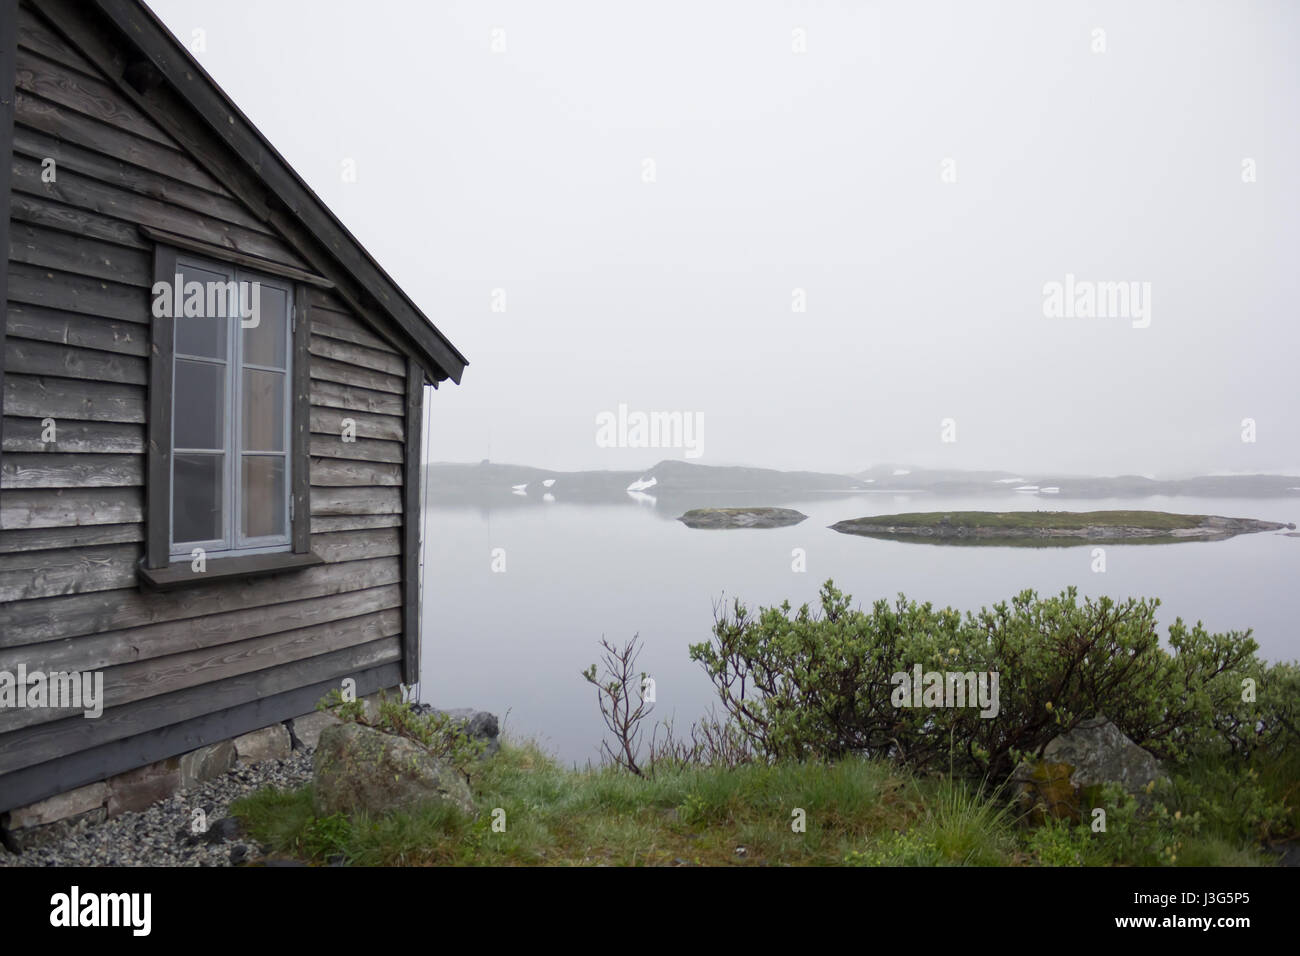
(207, 763)
(60, 806)
(269, 743)
(1065, 782)
(137, 789)
(305, 731)
(1100, 753)
(358, 768)
(475, 724)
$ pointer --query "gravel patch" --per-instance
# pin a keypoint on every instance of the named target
(160, 835)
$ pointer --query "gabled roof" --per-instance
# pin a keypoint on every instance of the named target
(165, 58)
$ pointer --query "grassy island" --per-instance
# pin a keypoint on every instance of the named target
(1053, 527)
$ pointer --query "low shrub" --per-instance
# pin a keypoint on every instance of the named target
(821, 685)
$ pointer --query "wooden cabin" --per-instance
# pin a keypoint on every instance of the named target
(213, 410)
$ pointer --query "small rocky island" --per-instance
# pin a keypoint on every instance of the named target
(741, 517)
(1053, 527)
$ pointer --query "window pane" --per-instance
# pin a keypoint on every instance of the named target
(202, 326)
(199, 407)
(263, 410)
(263, 496)
(197, 493)
(267, 342)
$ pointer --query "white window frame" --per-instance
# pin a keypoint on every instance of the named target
(233, 541)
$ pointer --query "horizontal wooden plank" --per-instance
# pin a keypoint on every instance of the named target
(328, 370)
(56, 618)
(74, 437)
(80, 331)
(342, 319)
(144, 181)
(38, 574)
(70, 507)
(71, 292)
(356, 501)
(338, 472)
(323, 523)
(46, 470)
(348, 328)
(329, 421)
(393, 366)
(50, 740)
(64, 361)
(329, 299)
(99, 651)
(145, 679)
(55, 249)
(178, 672)
(80, 93)
(240, 711)
(51, 119)
(79, 192)
(363, 449)
(337, 395)
(42, 212)
(28, 396)
(340, 546)
(48, 539)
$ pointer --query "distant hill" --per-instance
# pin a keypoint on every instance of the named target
(489, 482)
(674, 486)
(957, 482)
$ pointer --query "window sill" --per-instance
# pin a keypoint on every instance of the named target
(180, 574)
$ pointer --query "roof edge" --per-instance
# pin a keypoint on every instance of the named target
(142, 28)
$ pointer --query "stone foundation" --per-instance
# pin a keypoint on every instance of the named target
(49, 820)
(305, 731)
(269, 743)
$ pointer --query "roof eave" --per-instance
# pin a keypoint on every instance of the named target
(142, 28)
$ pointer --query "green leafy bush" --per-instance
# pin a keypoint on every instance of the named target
(1060, 843)
(1258, 718)
(819, 685)
(1231, 797)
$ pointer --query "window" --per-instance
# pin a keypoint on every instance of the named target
(231, 412)
(228, 421)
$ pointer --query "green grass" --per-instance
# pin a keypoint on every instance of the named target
(1030, 520)
(856, 811)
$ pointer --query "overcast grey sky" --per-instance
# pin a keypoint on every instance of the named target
(523, 169)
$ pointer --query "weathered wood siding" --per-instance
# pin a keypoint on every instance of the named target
(184, 667)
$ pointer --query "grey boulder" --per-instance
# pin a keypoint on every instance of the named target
(1068, 779)
(1100, 753)
(357, 768)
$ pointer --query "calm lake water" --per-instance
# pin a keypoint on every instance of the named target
(515, 642)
